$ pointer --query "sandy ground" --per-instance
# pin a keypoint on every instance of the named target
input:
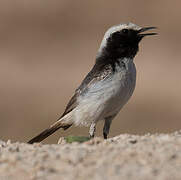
(125, 157)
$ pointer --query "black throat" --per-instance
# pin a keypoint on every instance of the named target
(119, 45)
(110, 56)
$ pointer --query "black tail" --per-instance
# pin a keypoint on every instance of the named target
(47, 132)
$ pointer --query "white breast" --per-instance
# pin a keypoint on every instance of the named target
(107, 97)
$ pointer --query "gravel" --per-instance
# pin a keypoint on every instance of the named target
(125, 157)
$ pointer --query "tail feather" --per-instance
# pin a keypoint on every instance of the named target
(47, 132)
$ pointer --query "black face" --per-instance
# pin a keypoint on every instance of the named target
(123, 43)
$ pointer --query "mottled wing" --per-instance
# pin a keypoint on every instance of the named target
(71, 105)
(96, 74)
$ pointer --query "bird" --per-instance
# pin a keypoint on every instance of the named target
(108, 86)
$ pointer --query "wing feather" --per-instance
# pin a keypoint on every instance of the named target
(96, 74)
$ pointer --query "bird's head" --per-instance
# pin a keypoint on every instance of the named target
(122, 40)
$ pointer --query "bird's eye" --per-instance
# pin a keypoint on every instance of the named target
(125, 31)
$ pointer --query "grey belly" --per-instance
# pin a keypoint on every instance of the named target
(111, 94)
(106, 98)
(120, 92)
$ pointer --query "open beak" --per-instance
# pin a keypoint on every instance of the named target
(146, 29)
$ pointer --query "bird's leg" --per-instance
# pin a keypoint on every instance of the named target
(92, 129)
(107, 125)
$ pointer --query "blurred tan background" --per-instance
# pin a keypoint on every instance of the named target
(47, 48)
